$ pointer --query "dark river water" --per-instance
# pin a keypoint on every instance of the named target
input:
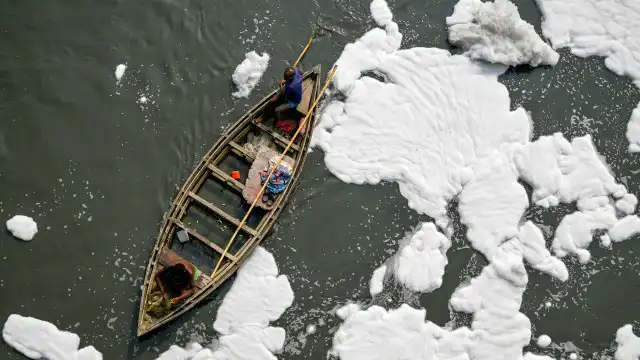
(97, 170)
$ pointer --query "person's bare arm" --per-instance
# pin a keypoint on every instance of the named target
(184, 294)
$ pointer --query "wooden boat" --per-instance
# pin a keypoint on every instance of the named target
(201, 220)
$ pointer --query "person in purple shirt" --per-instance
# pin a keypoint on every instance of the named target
(293, 86)
(289, 95)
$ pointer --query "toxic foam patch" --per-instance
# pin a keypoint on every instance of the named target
(494, 32)
(247, 75)
(440, 126)
(608, 28)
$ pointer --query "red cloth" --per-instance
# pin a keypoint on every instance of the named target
(286, 125)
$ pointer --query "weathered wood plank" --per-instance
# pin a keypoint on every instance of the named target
(222, 214)
(307, 91)
(240, 151)
(224, 177)
(203, 239)
(279, 138)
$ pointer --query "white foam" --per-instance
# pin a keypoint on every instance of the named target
(120, 71)
(543, 341)
(492, 203)
(625, 228)
(376, 284)
(378, 334)
(347, 311)
(39, 339)
(563, 171)
(608, 28)
(628, 344)
(22, 227)
(588, 28)
(499, 330)
(575, 232)
(494, 299)
(143, 99)
(367, 52)
(605, 240)
(188, 353)
(247, 75)
(494, 32)
(258, 296)
(536, 254)
(462, 113)
(627, 204)
(440, 126)
(633, 131)
(573, 356)
(421, 259)
(311, 329)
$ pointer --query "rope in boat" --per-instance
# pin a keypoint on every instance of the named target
(255, 201)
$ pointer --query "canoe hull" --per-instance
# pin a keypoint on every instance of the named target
(207, 169)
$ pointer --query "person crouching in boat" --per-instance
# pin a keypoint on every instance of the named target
(287, 98)
(176, 283)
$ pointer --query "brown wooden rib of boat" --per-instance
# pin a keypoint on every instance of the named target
(210, 205)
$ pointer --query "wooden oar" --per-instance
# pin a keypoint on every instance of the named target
(304, 51)
(255, 201)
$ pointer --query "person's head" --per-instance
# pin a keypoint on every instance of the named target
(288, 74)
(180, 276)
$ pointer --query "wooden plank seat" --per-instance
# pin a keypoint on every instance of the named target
(307, 91)
(168, 257)
(277, 137)
(253, 184)
(221, 213)
(202, 239)
(228, 180)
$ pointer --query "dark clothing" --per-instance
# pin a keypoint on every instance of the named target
(274, 102)
(293, 89)
(291, 93)
(175, 279)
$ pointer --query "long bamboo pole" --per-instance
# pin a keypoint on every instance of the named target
(304, 51)
(264, 186)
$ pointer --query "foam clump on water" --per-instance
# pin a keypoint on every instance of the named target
(258, 296)
(419, 263)
(543, 341)
(247, 75)
(366, 53)
(376, 284)
(625, 228)
(582, 26)
(633, 131)
(22, 227)
(440, 126)
(567, 172)
(628, 344)
(494, 32)
(120, 69)
(499, 330)
(537, 255)
(39, 339)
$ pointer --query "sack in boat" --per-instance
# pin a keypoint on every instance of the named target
(157, 306)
